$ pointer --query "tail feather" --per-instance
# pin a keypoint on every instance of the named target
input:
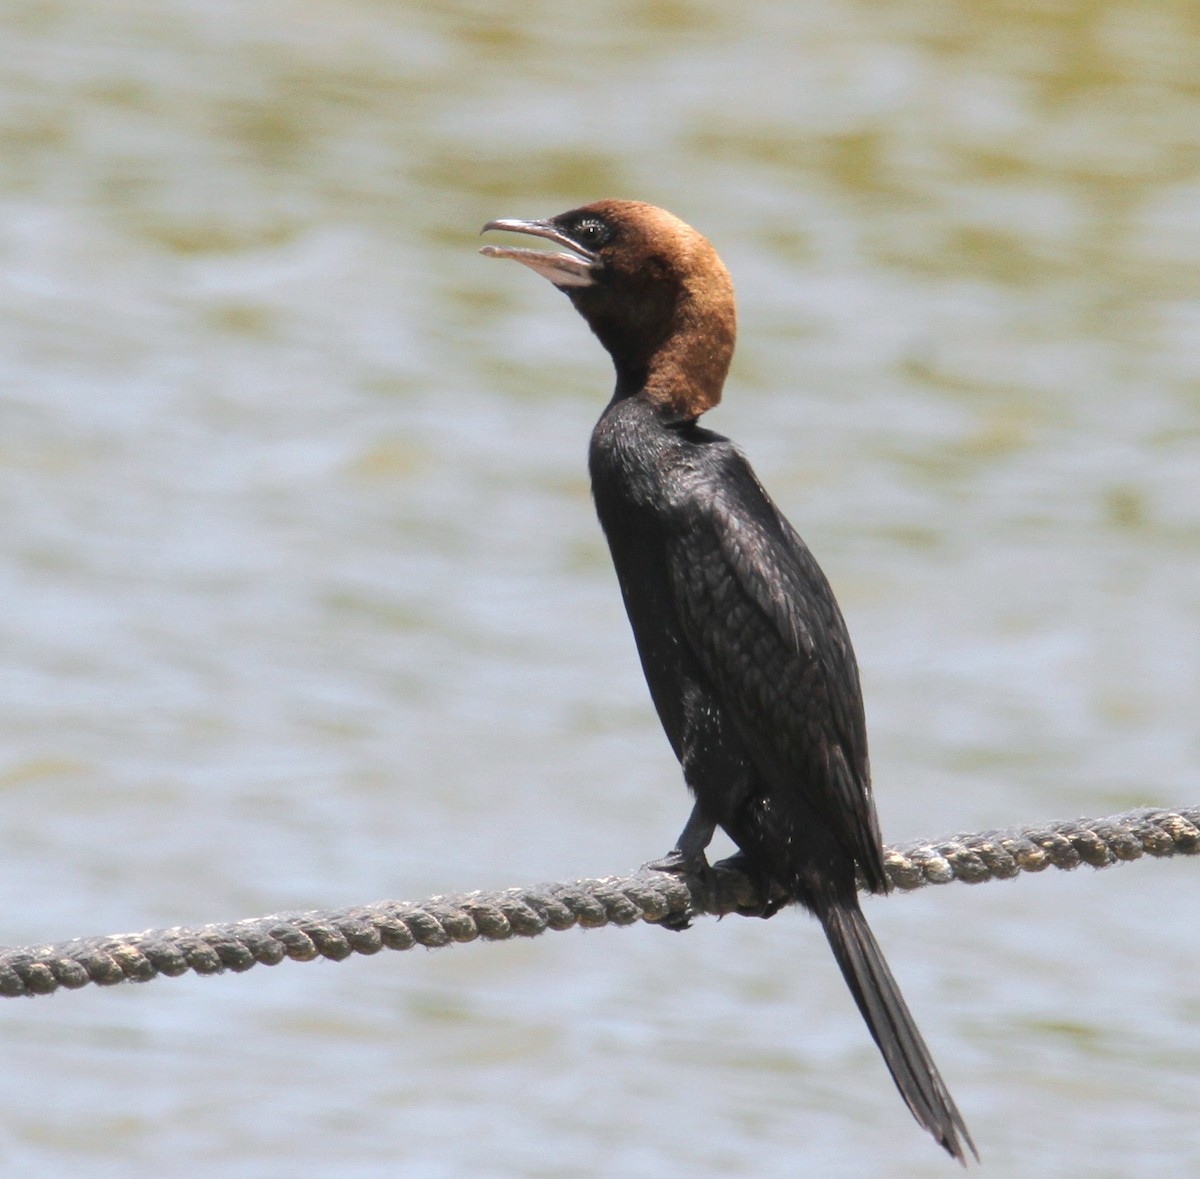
(893, 1028)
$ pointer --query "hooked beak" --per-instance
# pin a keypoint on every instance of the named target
(575, 269)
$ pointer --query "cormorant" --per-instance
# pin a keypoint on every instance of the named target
(744, 649)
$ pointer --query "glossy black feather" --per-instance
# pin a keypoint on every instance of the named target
(750, 667)
(740, 635)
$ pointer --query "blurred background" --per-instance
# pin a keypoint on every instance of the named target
(302, 600)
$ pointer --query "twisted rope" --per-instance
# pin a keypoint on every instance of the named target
(647, 895)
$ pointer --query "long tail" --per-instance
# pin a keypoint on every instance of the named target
(892, 1027)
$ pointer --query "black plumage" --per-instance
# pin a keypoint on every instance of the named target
(744, 649)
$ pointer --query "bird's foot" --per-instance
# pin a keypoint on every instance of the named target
(693, 868)
(679, 864)
(768, 901)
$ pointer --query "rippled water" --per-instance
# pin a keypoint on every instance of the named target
(304, 603)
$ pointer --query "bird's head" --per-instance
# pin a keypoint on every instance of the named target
(652, 289)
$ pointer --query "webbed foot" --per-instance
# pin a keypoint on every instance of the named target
(769, 902)
(693, 867)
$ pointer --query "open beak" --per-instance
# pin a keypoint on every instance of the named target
(575, 269)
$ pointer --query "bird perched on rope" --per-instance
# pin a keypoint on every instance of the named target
(744, 649)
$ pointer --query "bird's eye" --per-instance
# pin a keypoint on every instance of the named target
(591, 231)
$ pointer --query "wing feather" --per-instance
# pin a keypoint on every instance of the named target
(765, 626)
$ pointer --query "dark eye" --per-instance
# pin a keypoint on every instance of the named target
(591, 232)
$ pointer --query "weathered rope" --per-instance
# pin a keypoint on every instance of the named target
(525, 912)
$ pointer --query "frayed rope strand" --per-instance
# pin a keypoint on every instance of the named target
(647, 895)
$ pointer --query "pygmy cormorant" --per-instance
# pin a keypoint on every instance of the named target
(744, 648)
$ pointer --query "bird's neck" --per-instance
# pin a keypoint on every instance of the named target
(685, 374)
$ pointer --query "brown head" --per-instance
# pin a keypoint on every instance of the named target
(651, 288)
